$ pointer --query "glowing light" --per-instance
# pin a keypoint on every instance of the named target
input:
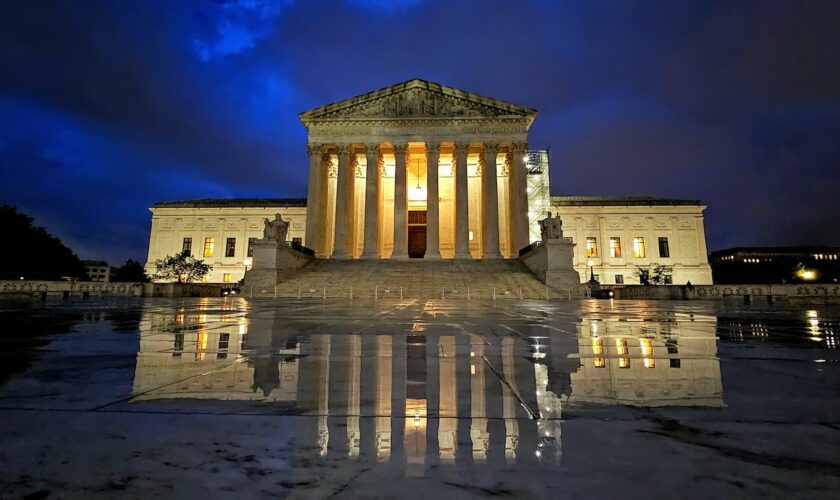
(807, 274)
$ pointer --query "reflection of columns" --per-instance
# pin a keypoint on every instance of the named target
(462, 202)
(463, 379)
(353, 382)
(432, 202)
(382, 407)
(344, 203)
(447, 401)
(478, 429)
(518, 176)
(313, 208)
(490, 198)
(368, 397)
(432, 399)
(338, 397)
(313, 390)
(398, 402)
(509, 402)
(372, 202)
(494, 390)
(400, 203)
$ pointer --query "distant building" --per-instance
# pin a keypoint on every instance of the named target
(98, 270)
(806, 264)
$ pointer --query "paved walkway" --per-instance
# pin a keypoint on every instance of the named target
(215, 398)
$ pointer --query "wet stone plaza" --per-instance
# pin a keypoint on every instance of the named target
(231, 398)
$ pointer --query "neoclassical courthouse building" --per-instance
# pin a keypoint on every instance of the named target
(422, 170)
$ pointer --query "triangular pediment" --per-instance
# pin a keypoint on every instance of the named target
(417, 99)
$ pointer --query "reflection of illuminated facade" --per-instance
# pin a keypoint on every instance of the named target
(646, 363)
(424, 397)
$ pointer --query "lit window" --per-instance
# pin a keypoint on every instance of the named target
(591, 247)
(647, 352)
(230, 247)
(639, 248)
(615, 247)
(209, 247)
(471, 235)
(664, 250)
(227, 278)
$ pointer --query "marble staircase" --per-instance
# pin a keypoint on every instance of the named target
(411, 279)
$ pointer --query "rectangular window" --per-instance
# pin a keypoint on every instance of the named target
(664, 250)
(615, 247)
(639, 248)
(227, 278)
(669, 280)
(186, 247)
(224, 341)
(230, 247)
(251, 246)
(209, 247)
(619, 279)
(591, 247)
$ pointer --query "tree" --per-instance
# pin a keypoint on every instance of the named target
(181, 268)
(655, 274)
(132, 271)
(33, 253)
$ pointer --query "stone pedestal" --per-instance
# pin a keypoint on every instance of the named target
(271, 260)
(552, 263)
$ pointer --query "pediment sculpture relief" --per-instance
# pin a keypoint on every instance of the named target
(416, 103)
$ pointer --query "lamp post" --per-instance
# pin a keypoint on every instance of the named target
(592, 272)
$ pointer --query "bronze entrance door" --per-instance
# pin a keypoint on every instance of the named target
(416, 234)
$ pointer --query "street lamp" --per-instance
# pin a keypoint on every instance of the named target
(591, 265)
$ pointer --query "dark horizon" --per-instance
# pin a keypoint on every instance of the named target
(107, 108)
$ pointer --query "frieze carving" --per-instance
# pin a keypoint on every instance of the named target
(349, 127)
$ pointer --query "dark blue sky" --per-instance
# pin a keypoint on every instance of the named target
(108, 107)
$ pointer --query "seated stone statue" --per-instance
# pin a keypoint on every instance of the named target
(276, 229)
(551, 228)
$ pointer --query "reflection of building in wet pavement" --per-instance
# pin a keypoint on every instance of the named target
(647, 363)
(427, 396)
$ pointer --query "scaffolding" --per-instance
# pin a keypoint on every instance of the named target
(539, 196)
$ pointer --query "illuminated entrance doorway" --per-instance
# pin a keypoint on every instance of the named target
(416, 234)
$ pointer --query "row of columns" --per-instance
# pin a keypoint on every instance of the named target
(344, 207)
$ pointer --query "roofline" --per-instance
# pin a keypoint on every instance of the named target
(517, 109)
(621, 201)
(233, 203)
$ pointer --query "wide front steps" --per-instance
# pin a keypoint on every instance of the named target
(420, 278)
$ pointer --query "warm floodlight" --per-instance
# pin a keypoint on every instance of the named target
(807, 274)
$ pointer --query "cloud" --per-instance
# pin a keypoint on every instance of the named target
(107, 107)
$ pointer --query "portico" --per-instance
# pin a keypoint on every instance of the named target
(417, 169)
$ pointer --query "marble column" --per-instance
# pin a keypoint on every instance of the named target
(462, 202)
(322, 202)
(400, 202)
(371, 250)
(432, 201)
(520, 174)
(313, 211)
(344, 203)
(490, 199)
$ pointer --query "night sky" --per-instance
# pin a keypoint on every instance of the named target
(108, 107)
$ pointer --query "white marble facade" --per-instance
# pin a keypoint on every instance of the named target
(419, 169)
